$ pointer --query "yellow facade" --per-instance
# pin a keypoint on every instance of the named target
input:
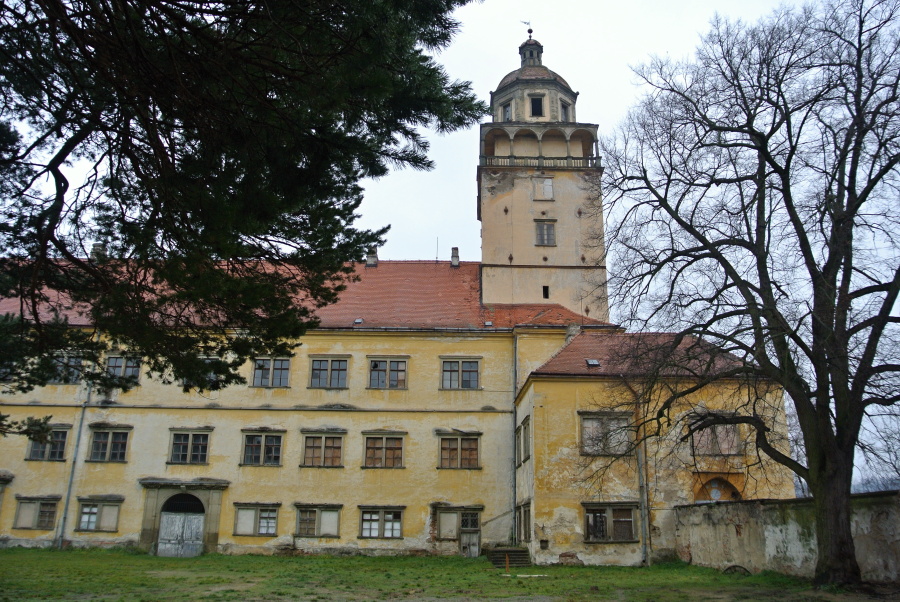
(432, 411)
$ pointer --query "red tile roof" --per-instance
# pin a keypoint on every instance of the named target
(432, 294)
(412, 294)
(619, 353)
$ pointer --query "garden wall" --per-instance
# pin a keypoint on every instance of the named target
(779, 535)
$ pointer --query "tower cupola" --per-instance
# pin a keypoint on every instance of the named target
(531, 51)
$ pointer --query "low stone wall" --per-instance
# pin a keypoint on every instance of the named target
(779, 535)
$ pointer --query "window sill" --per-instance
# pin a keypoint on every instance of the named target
(373, 537)
(382, 467)
(34, 528)
(328, 388)
(107, 461)
(170, 463)
(320, 536)
(260, 465)
(460, 388)
(269, 387)
(317, 466)
(458, 467)
(387, 389)
(43, 460)
(96, 530)
(537, 244)
(266, 535)
(611, 541)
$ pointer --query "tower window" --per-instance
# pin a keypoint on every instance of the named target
(546, 291)
(545, 233)
(564, 112)
(537, 106)
(507, 112)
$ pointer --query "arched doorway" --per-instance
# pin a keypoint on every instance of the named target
(718, 490)
(181, 524)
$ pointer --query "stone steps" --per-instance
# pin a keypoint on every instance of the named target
(518, 557)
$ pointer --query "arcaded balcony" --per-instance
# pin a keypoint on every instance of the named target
(528, 146)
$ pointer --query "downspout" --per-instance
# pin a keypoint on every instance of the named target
(644, 503)
(75, 456)
(515, 416)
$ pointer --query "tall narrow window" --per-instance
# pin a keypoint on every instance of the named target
(537, 106)
(545, 233)
(563, 112)
(507, 112)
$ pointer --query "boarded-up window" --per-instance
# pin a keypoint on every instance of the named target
(259, 519)
(448, 525)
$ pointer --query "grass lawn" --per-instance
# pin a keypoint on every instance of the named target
(120, 575)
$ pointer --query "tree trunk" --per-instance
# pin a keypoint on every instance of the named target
(836, 563)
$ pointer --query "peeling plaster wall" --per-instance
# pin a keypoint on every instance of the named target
(779, 535)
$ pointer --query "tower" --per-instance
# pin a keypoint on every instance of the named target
(536, 160)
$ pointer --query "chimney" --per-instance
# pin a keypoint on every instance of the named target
(98, 252)
(454, 257)
(372, 258)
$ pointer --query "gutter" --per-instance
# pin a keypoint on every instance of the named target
(75, 457)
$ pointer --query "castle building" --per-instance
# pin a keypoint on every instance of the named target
(440, 407)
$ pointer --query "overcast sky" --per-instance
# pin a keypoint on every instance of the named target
(591, 43)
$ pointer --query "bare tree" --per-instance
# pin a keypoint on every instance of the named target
(753, 197)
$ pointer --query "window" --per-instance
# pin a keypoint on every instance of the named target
(545, 292)
(329, 374)
(611, 522)
(387, 374)
(99, 513)
(381, 522)
(384, 451)
(261, 449)
(124, 367)
(36, 512)
(563, 111)
(545, 233)
(189, 447)
(269, 372)
(605, 434)
(323, 450)
(318, 520)
(717, 440)
(537, 106)
(523, 440)
(108, 446)
(459, 452)
(256, 519)
(208, 381)
(52, 451)
(452, 520)
(67, 369)
(507, 112)
(543, 189)
(523, 522)
(459, 374)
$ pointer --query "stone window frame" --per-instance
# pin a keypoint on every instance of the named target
(329, 371)
(317, 509)
(104, 504)
(384, 436)
(265, 369)
(545, 233)
(204, 430)
(381, 521)
(324, 435)
(264, 434)
(388, 371)
(67, 369)
(127, 365)
(441, 510)
(111, 430)
(541, 185)
(605, 446)
(257, 508)
(460, 371)
(56, 445)
(523, 441)
(531, 103)
(607, 509)
(39, 515)
(459, 436)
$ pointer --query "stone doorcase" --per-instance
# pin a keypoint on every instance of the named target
(157, 491)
